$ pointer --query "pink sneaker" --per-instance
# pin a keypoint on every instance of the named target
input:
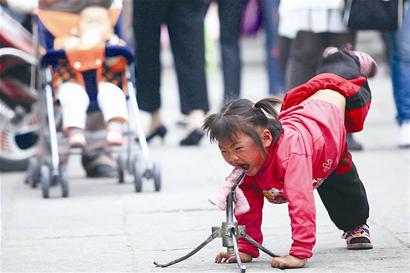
(76, 138)
(114, 133)
(368, 66)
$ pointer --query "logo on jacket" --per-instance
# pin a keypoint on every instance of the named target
(327, 165)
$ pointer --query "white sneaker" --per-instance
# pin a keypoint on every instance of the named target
(404, 135)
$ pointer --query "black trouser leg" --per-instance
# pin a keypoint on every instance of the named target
(230, 12)
(306, 51)
(345, 199)
(186, 29)
(148, 16)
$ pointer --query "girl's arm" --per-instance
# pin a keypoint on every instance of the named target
(252, 219)
(298, 190)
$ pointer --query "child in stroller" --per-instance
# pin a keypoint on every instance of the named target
(82, 46)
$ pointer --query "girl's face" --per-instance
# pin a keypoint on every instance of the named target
(244, 153)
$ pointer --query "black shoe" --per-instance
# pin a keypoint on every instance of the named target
(193, 138)
(352, 144)
(161, 131)
(99, 165)
(102, 170)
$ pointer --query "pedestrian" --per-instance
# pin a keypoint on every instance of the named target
(400, 74)
(185, 23)
(286, 155)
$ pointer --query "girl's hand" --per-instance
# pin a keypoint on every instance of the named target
(225, 257)
(288, 262)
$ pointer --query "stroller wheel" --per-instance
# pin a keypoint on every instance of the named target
(137, 172)
(33, 173)
(156, 175)
(45, 179)
(120, 169)
(62, 180)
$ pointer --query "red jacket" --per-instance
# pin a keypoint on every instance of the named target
(310, 148)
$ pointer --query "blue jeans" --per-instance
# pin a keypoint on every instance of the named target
(400, 69)
(270, 18)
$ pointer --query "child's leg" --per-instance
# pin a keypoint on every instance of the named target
(345, 199)
(342, 71)
(74, 103)
(347, 64)
(112, 102)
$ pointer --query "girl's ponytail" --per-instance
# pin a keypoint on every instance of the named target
(270, 106)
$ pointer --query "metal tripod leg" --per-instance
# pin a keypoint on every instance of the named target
(257, 245)
(241, 267)
(207, 241)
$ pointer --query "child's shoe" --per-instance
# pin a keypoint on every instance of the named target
(75, 138)
(358, 238)
(368, 66)
(114, 133)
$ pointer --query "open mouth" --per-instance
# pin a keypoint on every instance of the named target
(245, 167)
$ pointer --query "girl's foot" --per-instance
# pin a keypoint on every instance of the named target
(368, 66)
(358, 238)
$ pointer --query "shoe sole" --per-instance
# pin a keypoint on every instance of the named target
(359, 246)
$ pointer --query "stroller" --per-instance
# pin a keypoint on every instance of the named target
(46, 168)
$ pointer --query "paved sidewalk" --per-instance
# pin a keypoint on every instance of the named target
(106, 227)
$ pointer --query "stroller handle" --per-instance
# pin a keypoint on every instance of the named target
(52, 56)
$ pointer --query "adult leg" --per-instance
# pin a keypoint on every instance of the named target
(230, 12)
(304, 57)
(270, 22)
(147, 30)
(186, 29)
(400, 73)
(147, 20)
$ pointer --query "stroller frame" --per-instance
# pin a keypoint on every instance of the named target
(45, 168)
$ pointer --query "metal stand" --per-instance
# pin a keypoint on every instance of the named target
(229, 231)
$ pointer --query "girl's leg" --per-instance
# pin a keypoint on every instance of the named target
(346, 202)
(74, 103)
(111, 100)
(345, 199)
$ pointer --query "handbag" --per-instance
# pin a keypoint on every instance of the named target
(373, 14)
(251, 18)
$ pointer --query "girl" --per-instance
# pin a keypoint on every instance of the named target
(286, 155)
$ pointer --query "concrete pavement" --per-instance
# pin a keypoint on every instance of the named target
(106, 227)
